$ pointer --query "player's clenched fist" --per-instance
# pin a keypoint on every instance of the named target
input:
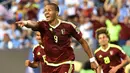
(27, 62)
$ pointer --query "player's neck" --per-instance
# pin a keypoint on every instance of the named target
(40, 43)
(105, 46)
(54, 22)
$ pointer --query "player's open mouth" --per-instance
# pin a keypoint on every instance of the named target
(47, 17)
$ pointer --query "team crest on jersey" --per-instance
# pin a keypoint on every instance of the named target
(62, 31)
(38, 53)
(111, 52)
(100, 56)
(50, 29)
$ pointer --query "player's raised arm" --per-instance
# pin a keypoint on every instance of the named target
(28, 24)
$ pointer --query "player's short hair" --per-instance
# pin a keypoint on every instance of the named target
(102, 30)
(55, 6)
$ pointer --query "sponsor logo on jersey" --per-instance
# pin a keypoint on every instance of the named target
(38, 53)
(50, 29)
(100, 56)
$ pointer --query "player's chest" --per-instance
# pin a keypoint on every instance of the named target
(60, 32)
(107, 57)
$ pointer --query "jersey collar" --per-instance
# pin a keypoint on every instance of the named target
(105, 50)
(42, 46)
(56, 25)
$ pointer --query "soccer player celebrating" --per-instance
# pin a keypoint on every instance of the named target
(110, 57)
(38, 52)
(57, 35)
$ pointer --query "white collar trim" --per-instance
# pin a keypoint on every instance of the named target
(56, 25)
(105, 50)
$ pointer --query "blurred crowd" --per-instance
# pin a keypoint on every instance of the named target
(88, 15)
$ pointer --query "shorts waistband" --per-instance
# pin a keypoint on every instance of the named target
(58, 64)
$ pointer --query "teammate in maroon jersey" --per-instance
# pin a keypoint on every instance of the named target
(38, 52)
(110, 57)
(57, 39)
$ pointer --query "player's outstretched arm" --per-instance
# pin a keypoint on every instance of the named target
(31, 64)
(28, 24)
(94, 64)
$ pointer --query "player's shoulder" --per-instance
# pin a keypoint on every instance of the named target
(35, 46)
(68, 23)
(97, 50)
(115, 46)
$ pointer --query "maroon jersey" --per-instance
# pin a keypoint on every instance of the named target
(57, 40)
(110, 15)
(124, 34)
(38, 52)
(110, 57)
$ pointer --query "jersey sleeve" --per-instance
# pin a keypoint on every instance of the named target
(40, 27)
(75, 32)
(95, 54)
(121, 53)
(35, 58)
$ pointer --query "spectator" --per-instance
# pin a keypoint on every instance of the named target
(14, 7)
(87, 30)
(3, 26)
(13, 32)
(6, 43)
(25, 39)
(124, 12)
(33, 9)
(124, 34)
(19, 14)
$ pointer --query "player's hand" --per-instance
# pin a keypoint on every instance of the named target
(21, 23)
(94, 65)
(113, 69)
(99, 70)
(27, 62)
